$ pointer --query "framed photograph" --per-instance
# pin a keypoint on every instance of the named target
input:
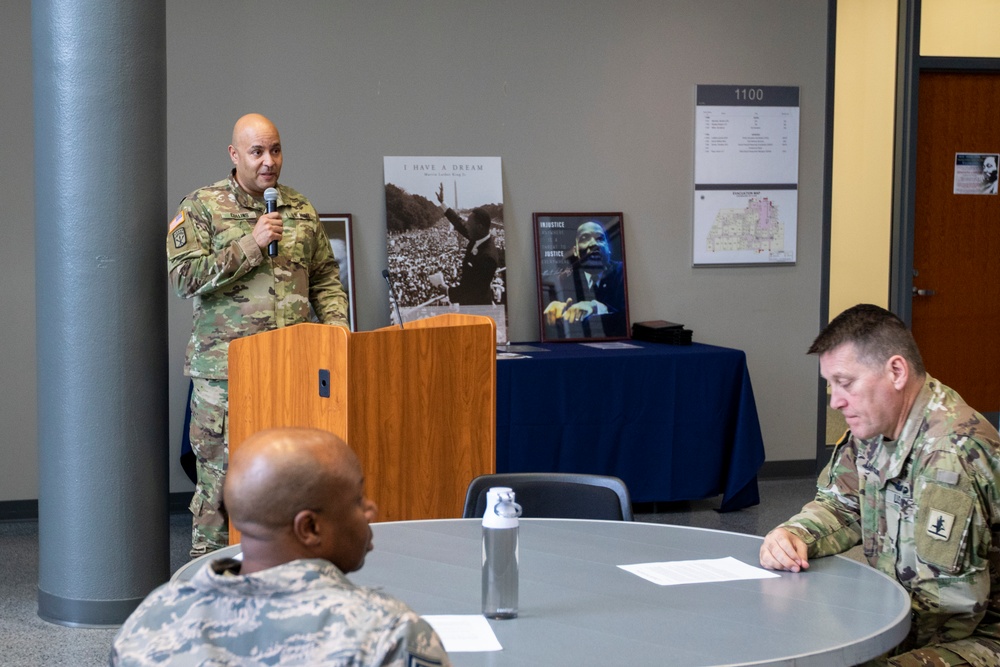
(338, 228)
(445, 238)
(582, 290)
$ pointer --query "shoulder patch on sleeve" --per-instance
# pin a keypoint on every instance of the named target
(179, 237)
(180, 234)
(176, 222)
(940, 532)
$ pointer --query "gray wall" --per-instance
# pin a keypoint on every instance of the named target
(18, 421)
(589, 103)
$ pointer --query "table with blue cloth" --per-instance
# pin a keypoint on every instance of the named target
(675, 422)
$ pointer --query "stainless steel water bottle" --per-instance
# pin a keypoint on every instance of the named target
(500, 554)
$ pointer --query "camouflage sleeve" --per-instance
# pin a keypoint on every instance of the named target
(412, 641)
(326, 293)
(200, 264)
(830, 523)
(952, 581)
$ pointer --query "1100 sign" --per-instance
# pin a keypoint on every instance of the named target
(752, 94)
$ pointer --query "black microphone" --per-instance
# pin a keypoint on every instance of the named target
(271, 205)
(392, 296)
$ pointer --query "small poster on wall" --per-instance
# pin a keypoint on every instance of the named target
(445, 237)
(976, 173)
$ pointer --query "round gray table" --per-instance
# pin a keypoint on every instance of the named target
(578, 608)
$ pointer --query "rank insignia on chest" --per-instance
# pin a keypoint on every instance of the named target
(939, 524)
(180, 238)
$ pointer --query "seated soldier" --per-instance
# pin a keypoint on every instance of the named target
(298, 497)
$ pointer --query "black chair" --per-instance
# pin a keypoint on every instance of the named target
(554, 495)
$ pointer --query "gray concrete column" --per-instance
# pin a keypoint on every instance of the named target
(100, 221)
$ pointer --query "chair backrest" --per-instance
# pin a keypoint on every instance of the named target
(554, 495)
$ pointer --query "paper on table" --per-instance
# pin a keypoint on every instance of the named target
(612, 346)
(697, 571)
(525, 349)
(464, 632)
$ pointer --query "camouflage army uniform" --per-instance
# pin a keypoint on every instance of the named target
(213, 258)
(305, 612)
(925, 508)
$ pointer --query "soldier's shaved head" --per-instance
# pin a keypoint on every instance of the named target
(256, 153)
(249, 125)
(296, 493)
(276, 473)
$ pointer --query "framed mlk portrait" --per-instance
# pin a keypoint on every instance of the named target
(582, 290)
(338, 228)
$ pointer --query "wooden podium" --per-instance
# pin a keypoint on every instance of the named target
(417, 405)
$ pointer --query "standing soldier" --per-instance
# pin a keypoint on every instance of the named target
(217, 255)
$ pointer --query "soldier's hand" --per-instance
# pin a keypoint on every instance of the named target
(783, 550)
(267, 229)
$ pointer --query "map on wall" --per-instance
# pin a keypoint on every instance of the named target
(746, 174)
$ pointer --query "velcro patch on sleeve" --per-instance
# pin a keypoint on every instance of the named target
(176, 222)
(942, 525)
(180, 238)
(180, 234)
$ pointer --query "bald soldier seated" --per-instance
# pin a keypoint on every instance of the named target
(298, 497)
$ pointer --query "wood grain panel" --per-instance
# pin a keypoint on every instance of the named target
(957, 238)
(274, 382)
(417, 405)
(424, 406)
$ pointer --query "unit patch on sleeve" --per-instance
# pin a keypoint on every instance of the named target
(177, 232)
(180, 238)
(939, 524)
(944, 514)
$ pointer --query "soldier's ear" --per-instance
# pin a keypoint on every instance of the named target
(305, 527)
(898, 371)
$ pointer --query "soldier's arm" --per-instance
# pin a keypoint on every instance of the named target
(830, 523)
(947, 608)
(953, 564)
(411, 640)
(195, 266)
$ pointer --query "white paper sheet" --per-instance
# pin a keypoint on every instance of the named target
(697, 571)
(464, 632)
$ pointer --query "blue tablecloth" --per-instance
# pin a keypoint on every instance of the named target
(674, 422)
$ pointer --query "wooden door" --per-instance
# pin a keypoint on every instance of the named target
(956, 246)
